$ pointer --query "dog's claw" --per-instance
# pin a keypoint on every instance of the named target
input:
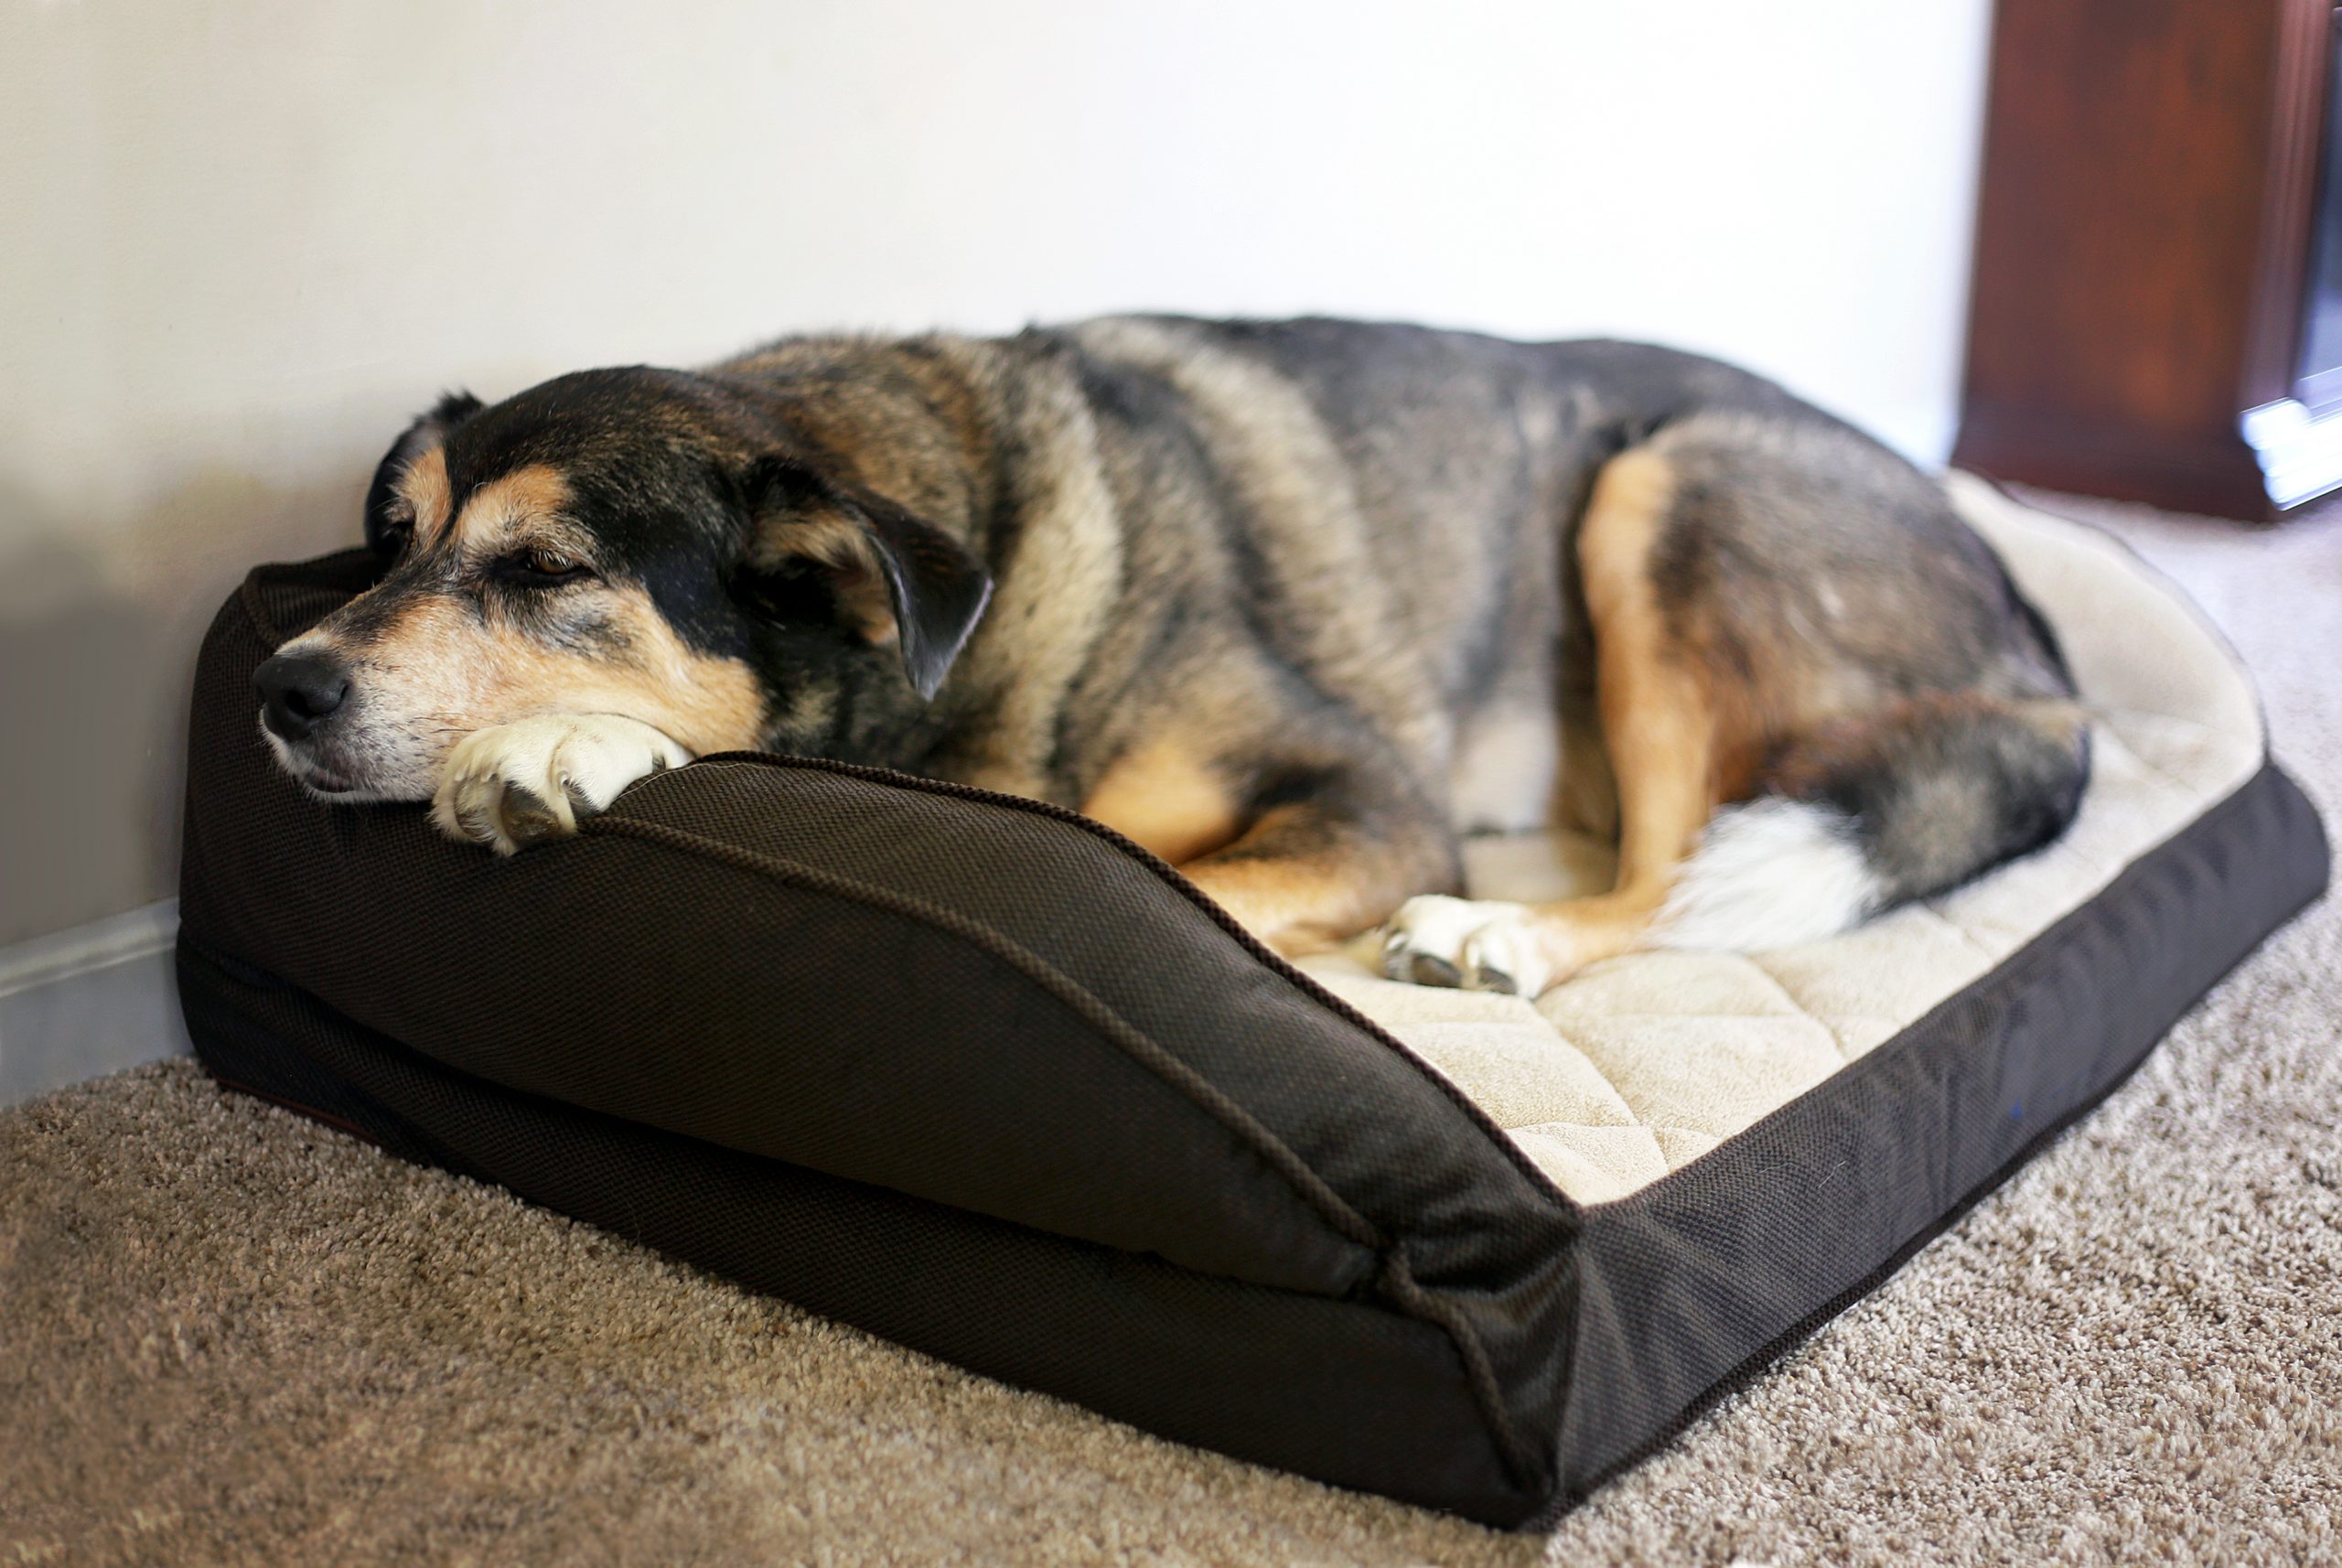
(474, 811)
(1425, 968)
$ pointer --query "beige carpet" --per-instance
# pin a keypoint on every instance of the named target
(230, 1336)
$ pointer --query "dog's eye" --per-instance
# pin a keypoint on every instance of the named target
(542, 567)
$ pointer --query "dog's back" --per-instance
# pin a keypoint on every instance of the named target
(1379, 541)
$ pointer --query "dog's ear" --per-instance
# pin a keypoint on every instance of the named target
(819, 547)
(386, 513)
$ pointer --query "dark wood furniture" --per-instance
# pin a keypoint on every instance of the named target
(2144, 316)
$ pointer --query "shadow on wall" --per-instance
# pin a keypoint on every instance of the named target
(97, 651)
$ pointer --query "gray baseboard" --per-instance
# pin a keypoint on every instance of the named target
(90, 1001)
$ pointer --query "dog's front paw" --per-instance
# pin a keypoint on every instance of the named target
(1475, 944)
(515, 785)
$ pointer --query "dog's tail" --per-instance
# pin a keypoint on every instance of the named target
(1856, 818)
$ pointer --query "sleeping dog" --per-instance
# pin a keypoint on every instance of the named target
(1293, 605)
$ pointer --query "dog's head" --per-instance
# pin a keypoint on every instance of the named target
(665, 546)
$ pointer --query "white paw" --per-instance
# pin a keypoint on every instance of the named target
(1480, 946)
(513, 784)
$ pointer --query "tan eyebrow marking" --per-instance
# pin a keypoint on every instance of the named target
(423, 484)
(497, 510)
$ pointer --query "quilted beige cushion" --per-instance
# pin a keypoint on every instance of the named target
(1644, 1063)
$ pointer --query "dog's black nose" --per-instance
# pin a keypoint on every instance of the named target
(298, 692)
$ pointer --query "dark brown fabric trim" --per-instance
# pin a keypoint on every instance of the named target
(1394, 1275)
(1398, 1284)
(1541, 1185)
(1305, 1181)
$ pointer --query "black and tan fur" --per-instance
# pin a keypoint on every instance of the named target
(1293, 603)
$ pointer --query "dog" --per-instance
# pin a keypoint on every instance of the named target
(1294, 604)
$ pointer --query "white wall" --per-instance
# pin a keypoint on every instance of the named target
(243, 241)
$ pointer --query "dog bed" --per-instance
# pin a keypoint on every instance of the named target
(983, 1077)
